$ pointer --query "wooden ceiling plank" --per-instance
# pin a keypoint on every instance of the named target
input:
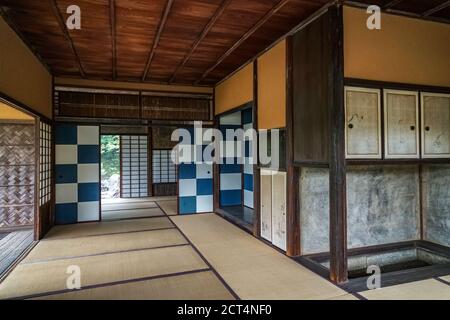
(391, 4)
(205, 31)
(436, 9)
(13, 26)
(112, 18)
(247, 35)
(62, 25)
(157, 37)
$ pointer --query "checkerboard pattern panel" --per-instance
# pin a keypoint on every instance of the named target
(247, 121)
(195, 185)
(230, 170)
(77, 168)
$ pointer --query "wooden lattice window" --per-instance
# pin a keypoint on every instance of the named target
(164, 170)
(45, 163)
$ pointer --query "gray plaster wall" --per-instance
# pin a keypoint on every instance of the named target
(314, 210)
(382, 207)
(436, 203)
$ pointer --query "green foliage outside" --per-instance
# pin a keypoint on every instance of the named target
(110, 156)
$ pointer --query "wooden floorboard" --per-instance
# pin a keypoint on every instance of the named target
(12, 246)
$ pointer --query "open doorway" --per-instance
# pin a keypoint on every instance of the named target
(18, 183)
(110, 166)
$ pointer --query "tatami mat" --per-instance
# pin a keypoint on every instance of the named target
(194, 286)
(128, 206)
(421, 290)
(251, 268)
(131, 214)
(446, 278)
(169, 207)
(101, 228)
(345, 297)
(76, 247)
(30, 279)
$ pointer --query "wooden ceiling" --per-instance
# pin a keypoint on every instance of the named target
(161, 41)
(437, 10)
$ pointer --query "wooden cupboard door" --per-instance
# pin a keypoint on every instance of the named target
(435, 125)
(401, 114)
(279, 210)
(363, 123)
(266, 205)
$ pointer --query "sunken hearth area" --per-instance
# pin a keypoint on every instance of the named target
(399, 263)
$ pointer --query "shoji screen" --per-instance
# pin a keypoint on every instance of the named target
(134, 162)
(164, 170)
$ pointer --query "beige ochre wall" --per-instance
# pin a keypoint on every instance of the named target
(22, 76)
(235, 91)
(405, 50)
(272, 88)
(10, 113)
(118, 85)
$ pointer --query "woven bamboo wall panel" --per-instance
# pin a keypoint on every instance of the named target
(13, 217)
(17, 195)
(17, 175)
(17, 134)
(162, 137)
(175, 108)
(17, 155)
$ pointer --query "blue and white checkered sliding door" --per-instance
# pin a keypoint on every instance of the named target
(77, 178)
(230, 170)
(247, 121)
(195, 186)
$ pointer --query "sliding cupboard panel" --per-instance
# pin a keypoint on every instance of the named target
(279, 210)
(401, 120)
(435, 125)
(266, 204)
(134, 162)
(363, 123)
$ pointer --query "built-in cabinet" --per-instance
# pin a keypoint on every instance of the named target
(273, 207)
(413, 124)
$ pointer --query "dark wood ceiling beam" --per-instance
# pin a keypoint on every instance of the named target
(162, 24)
(391, 4)
(205, 31)
(247, 35)
(63, 28)
(112, 18)
(436, 9)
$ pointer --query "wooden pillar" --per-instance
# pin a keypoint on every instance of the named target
(256, 171)
(216, 171)
(292, 172)
(338, 199)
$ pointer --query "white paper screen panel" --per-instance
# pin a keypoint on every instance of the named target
(266, 205)
(435, 125)
(363, 123)
(164, 170)
(134, 160)
(401, 113)
(45, 163)
(279, 210)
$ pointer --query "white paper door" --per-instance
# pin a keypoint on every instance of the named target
(435, 125)
(266, 205)
(279, 210)
(363, 123)
(401, 124)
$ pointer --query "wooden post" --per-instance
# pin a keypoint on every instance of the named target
(338, 198)
(256, 172)
(292, 172)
